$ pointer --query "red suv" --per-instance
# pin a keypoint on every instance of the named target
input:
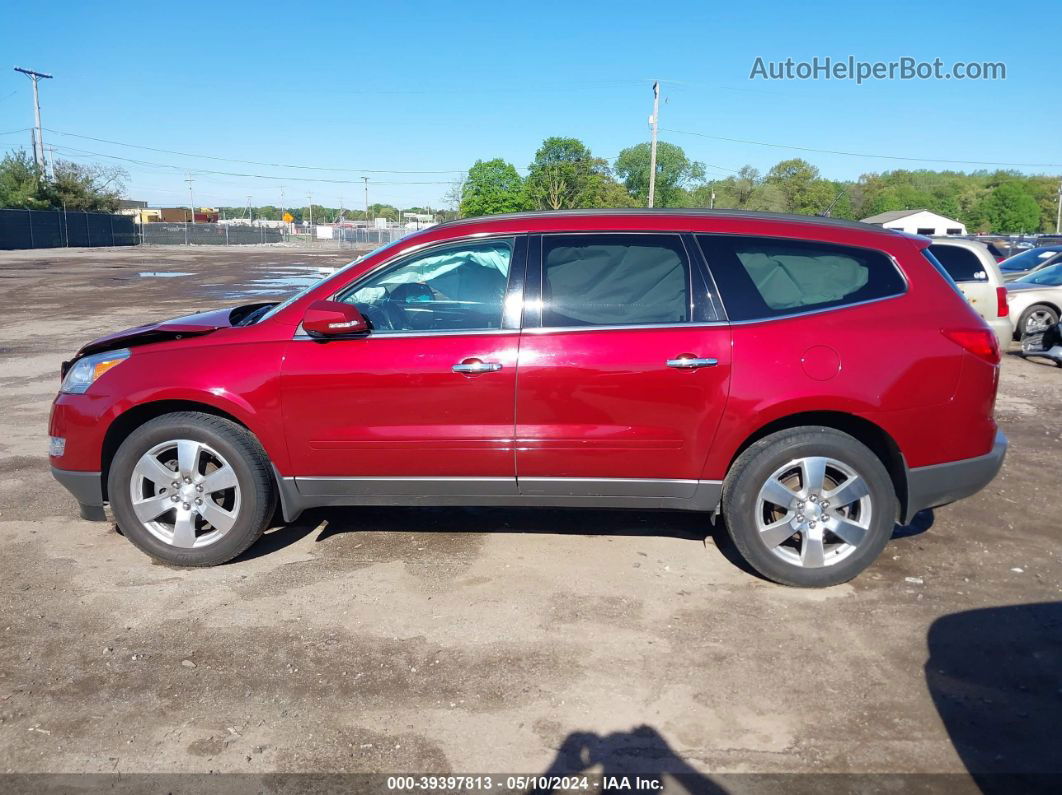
(814, 381)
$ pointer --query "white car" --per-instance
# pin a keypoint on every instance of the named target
(1036, 299)
(973, 268)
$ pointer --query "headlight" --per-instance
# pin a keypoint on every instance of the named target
(85, 371)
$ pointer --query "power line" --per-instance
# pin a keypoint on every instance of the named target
(66, 149)
(863, 154)
(254, 162)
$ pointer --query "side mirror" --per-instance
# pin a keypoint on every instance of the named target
(333, 319)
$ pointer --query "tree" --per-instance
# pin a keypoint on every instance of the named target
(493, 186)
(1011, 208)
(802, 189)
(20, 182)
(84, 187)
(674, 172)
(565, 175)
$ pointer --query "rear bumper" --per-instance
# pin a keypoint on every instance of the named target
(1004, 330)
(87, 488)
(929, 487)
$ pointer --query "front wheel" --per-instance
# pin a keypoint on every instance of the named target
(809, 507)
(191, 489)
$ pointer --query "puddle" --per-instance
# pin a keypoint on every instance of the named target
(280, 280)
(161, 274)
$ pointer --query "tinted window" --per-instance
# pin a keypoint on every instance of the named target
(960, 263)
(768, 277)
(443, 289)
(1051, 276)
(607, 280)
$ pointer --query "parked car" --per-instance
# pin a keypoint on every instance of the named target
(999, 249)
(1028, 261)
(815, 381)
(974, 269)
(1035, 299)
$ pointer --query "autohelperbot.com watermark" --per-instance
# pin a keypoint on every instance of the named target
(860, 71)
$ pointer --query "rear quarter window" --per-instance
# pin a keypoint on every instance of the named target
(960, 263)
(761, 278)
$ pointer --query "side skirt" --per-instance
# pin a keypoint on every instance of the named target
(300, 493)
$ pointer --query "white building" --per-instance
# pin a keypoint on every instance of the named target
(917, 222)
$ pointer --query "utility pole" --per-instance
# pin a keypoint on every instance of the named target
(654, 122)
(250, 215)
(711, 202)
(366, 181)
(38, 144)
(309, 198)
(1058, 213)
(191, 204)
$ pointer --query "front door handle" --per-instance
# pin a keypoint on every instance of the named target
(472, 366)
(687, 361)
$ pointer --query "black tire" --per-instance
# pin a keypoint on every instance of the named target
(755, 465)
(1052, 314)
(239, 448)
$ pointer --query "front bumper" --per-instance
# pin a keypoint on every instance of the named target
(929, 487)
(87, 488)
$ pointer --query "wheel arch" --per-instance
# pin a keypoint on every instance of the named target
(131, 419)
(872, 435)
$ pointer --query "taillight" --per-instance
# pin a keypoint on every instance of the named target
(1002, 308)
(980, 342)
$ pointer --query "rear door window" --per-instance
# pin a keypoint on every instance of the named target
(614, 280)
(960, 263)
(761, 277)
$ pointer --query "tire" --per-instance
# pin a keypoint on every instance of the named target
(212, 452)
(1047, 313)
(797, 545)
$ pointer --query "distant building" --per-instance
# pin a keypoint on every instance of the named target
(917, 222)
(203, 215)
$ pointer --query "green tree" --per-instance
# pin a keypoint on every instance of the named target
(674, 173)
(493, 186)
(84, 187)
(1011, 208)
(565, 175)
(20, 182)
(802, 189)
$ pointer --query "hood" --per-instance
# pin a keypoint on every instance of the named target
(175, 329)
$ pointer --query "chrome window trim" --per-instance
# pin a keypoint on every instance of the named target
(380, 335)
(643, 327)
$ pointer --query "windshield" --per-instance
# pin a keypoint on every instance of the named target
(289, 301)
(1027, 259)
(1048, 277)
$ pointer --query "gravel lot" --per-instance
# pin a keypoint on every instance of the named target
(487, 640)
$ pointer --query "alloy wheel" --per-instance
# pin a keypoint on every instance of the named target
(813, 512)
(185, 493)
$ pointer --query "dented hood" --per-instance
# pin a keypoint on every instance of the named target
(177, 328)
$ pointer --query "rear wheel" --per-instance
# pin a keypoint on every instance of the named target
(809, 506)
(1037, 318)
(191, 489)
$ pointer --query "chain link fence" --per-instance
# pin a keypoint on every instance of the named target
(62, 228)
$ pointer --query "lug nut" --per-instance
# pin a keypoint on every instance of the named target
(186, 506)
(812, 525)
(800, 505)
(174, 498)
(800, 517)
(176, 484)
(198, 488)
(811, 498)
(198, 502)
(187, 480)
(825, 504)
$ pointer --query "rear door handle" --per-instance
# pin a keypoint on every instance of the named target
(688, 361)
(472, 366)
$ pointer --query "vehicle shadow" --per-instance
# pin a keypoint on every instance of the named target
(995, 676)
(640, 759)
(685, 525)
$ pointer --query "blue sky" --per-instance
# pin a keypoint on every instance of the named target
(434, 86)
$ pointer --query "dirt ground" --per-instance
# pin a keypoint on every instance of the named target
(488, 640)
